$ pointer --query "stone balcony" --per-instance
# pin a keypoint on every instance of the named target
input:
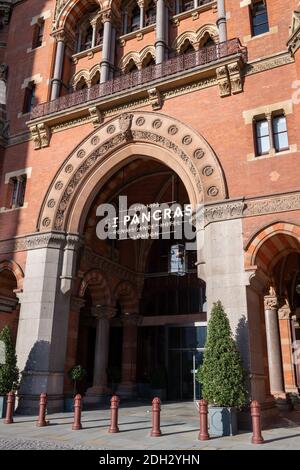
(220, 64)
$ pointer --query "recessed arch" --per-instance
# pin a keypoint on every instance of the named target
(96, 278)
(108, 148)
(270, 243)
(13, 267)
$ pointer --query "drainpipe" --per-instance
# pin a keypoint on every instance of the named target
(221, 21)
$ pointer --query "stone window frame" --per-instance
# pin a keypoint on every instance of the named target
(250, 37)
(35, 80)
(269, 118)
(18, 178)
(36, 22)
(269, 112)
(251, 8)
(93, 20)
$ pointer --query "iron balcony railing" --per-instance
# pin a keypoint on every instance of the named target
(137, 78)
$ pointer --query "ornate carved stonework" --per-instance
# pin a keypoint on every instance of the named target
(284, 312)
(95, 115)
(105, 312)
(125, 123)
(40, 135)
(271, 301)
(235, 77)
(223, 81)
(294, 39)
(155, 98)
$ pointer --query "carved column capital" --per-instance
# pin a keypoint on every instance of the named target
(59, 35)
(271, 301)
(131, 319)
(284, 312)
(103, 312)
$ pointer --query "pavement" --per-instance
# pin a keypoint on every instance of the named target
(179, 426)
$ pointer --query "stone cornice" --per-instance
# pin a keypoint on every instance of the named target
(251, 207)
(36, 241)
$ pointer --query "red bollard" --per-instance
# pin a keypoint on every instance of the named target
(114, 406)
(77, 413)
(156, 432)
(10, 408)
(256, 425)
(42, 411)
(203, 411)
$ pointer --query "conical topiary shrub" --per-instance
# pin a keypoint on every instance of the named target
(222, 375)
(9, 373)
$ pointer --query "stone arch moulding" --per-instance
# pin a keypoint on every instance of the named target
(96, 277)
(255, 243)
(105, 150)
(195, 37)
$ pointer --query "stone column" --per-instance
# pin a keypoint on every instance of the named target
(195, 3)
(285, 329)
(71, 355)
(273, 344)
(142, 13)
(106, 48)
(127, 387)
(161, 32)
(43, 324)
(99, 389)
(58, 64)
(94, 26)
(221, 21)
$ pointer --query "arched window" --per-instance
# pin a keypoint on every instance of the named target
(81, 85)
(135, 18)
(148, 60)
(87, 38)
(187, 47)
(131, 66)
(99, 36)
(207, 41)
(186, 5)
(96, 79)
(150, 17)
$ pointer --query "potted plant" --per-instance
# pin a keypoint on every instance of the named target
(222, 376)
(9, 373)
(158, 381)
(75, 374)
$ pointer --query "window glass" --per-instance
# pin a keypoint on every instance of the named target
(280, 133)
(260, 23)
(262, 137)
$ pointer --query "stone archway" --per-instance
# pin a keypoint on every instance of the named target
(152, 135)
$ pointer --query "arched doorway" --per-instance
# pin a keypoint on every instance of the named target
(275, 254)
(155, 317)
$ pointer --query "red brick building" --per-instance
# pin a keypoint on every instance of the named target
(193, 100)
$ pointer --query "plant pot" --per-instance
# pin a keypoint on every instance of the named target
(3, 402)
(69, 404)
(222, 421)
(160, 393)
